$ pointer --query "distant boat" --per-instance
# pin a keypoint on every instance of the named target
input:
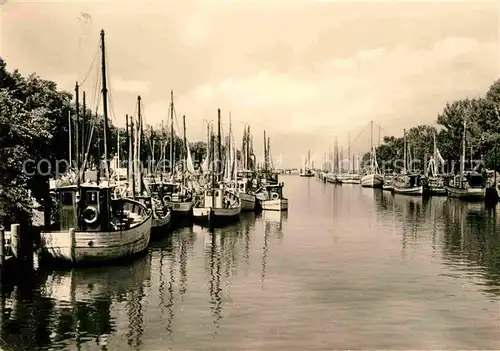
(466, 185)
(408, 183)
(307, 172)
(373, 178)
(434, 183)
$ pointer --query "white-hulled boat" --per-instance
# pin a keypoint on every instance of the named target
(217, 205)
(180, 199)
(271, 197)
(94, 227)
(351, 178)
(373, 180)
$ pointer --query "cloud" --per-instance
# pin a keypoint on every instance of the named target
(305, 72)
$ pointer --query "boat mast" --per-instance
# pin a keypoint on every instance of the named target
(139, 144)
(349, 150)
(371, 143)
(77, 146)
(171, 133)
(212, 137)
(404, 151)
(265, 153)
(70, 140)
(131, 156)
(185, 149)
(105, 104)
(84, 123)
(462, 161)
(219, 150)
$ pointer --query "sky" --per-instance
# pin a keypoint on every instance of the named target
(304, 71)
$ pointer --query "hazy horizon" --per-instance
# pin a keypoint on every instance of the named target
(305, 72)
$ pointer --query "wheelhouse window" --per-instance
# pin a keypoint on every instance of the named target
(67, 198)
(92, 197)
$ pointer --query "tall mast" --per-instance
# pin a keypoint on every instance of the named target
(70, 139)
(462, 161)
(151, 137)
(371, 145)
(172, 132)
(229, 144)
(139, 143)
(265, 153)
(105, 103)
(268, 154)
(404, 141)
(219, 150)
(84, 123)
(77, 121)
(185, 148)
(131, 156)
(127, 144)
(349, 150)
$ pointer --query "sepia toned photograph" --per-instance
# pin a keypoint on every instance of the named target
(249, 175)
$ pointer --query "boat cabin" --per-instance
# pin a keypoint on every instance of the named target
(272, 191)
(468, 179)
(219, 198)
(91, 208)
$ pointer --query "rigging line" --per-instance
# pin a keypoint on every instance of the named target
(91, 66)
(357, 137)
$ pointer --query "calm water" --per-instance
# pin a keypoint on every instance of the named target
(346, 268)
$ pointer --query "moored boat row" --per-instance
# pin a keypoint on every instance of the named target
(92, 219)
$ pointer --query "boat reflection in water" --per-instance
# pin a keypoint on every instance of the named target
(68, 309)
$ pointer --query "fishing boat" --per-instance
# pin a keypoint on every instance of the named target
(139, 190)
(241, 188)
(176, 194)
(94, 227)
(217, 204)
(271, 197)
(408, 182)
(92, 224)
(373, 178)
(434, 182)
(467, 185)
(307, 172)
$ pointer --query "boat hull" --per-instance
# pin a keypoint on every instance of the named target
(247, 202)
(216, 215)
(94, 247)
(388, 187)
(274, 205)
(415, 190)
(162, 223)
(466, 193)
(372, 181)
(435, 190)
(181, 207)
